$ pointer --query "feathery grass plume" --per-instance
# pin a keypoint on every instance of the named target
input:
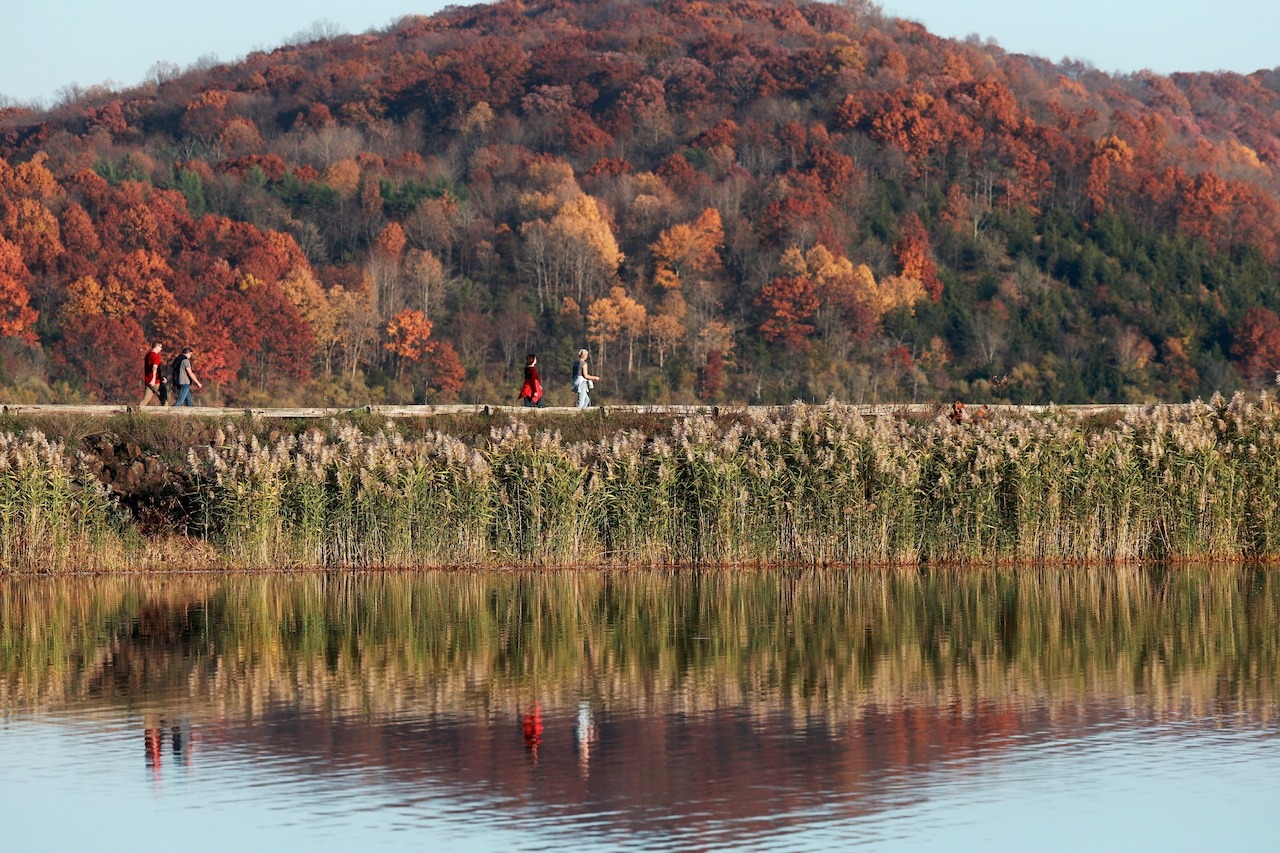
(806, 485)
(624, 502)
(53, 514)
(539, 510)
(345, 499)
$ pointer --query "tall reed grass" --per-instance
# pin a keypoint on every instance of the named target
(51, 513)
(344, 499)
(805, 485)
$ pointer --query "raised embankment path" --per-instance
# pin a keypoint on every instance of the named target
(916, 410)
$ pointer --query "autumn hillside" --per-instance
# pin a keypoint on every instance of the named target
(747, 202)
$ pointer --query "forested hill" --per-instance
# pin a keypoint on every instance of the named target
(740, 201)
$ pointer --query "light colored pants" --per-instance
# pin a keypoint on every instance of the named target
(584, 398)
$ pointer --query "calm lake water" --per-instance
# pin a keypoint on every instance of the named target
(801, 710)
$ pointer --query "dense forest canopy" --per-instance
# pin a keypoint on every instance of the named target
(744, 201)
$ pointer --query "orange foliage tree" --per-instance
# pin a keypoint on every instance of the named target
(914, 255)
(408, 337)
(689, 249)
(16, 315)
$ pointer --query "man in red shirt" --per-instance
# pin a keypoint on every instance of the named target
(151, 375)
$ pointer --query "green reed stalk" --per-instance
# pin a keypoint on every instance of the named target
(806, 485)
(539, 504)
(53, 513)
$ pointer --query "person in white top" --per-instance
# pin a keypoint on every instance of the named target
(583, 379)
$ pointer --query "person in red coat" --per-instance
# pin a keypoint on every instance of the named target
(531, 390)
(151, 376)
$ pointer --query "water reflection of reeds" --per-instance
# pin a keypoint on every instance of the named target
(826, 645)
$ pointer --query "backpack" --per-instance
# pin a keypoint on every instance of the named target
(175, 370)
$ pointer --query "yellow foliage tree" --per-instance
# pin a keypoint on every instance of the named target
(667, 326)
(425, 275)
(615, 317)
(36, 232)
(31, 180)
(315, 308)
(604, 324)
(87, 297)
(717, 336)
(691, 249)
(587, 250)
(537, 204)
(344, 177)
(357, 326)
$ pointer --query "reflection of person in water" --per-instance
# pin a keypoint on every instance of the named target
(153, 736)
(184, 742)
(533, 731)
(586, 737)
(181, 741)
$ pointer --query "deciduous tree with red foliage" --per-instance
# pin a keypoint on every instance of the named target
(103, 354)
(914, 255)
(206, 115)
(788, 304)
(1256, 346)
(795, 216)
(710, 377)
(447, 375)
(281, 342)
(16, 314)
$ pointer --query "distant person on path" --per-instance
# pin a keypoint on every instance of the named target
(531, 390)
(184, 377)
(583, 380)
(151, 375)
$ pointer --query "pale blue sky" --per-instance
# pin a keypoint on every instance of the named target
(51, 44)
(1163, 36)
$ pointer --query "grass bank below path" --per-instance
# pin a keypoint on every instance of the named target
(91, 490)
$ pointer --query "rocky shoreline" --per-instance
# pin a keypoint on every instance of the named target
(152, 489)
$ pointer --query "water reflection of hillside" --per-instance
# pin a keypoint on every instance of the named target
(712, 700)
(822, 646)
(753, 773)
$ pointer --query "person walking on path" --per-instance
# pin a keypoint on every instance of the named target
(151, 375)
(531, 390)
(184, 377)
(583, 380)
